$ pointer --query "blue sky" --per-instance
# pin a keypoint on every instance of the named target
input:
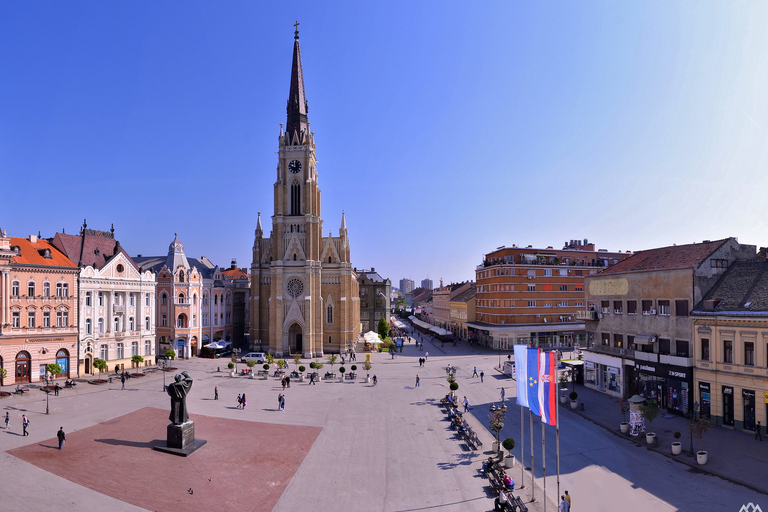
(443, 129)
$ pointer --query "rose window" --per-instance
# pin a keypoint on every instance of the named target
(295, 287)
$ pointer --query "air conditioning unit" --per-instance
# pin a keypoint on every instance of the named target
(653, 311)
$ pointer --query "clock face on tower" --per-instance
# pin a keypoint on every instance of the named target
(294, 166)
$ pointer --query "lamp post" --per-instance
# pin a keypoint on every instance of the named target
(164, 364)
(47, 392)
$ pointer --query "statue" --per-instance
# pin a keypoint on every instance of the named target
(178, 392)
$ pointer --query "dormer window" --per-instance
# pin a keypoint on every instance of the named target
(181, 276)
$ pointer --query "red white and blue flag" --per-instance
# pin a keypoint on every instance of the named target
(547, 387)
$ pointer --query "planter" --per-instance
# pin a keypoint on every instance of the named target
(250, 375)
(495, 447)
(301, 378)
(701, 457)
(624, 427)
(677, 447)
(509, 461)
(563, 399)
(574, 404)
(650, 437)
(232, 374)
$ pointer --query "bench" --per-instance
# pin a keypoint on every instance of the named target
(20, 390)
(472, 440)
(350, 376)
(518, 503)
(329, 375)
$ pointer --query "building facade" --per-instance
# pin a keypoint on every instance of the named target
(407, 285)
(116, 301)
(462, 312)
(304, 291)
(427, 284)
(730, 348)
(640, 327)
(535, 296)
(38, 306)
(375, 294)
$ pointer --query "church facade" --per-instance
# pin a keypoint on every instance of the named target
(304, 290)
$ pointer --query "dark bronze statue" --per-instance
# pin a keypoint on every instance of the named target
(178, 392)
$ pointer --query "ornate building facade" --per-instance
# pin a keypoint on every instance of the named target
(304, 291)
(116, 301)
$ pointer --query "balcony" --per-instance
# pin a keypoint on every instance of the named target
(586, 315)
(614, 351)
(119, 309)
(676, 360)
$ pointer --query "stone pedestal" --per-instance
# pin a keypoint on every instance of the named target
(181, 440)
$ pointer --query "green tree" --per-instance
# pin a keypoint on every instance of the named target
(170, 354)
(332, 360)
(137, 360)
(297, 359)
(383, 328)
(3, 373)
(650, 412)
(100, 365)
(53, 369)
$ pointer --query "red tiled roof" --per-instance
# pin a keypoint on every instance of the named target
(29, 254)
(676, 256)
(234, 273)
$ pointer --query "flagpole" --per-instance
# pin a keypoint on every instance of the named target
(557, 434)
(533, 462)
(522, 449)
(544, 464)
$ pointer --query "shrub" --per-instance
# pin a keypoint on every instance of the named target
(251, 363)
(313, 365)
(342, 370)
(266, 366)
(281, 363)
(170, 354)
(354, 367)
(573, 395)
(677, 435)
(454, 386)
(367, 365)
(230, 365)
(508, 444)
(302, 369)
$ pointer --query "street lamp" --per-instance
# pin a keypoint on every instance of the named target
(163, 364)
(690, 429)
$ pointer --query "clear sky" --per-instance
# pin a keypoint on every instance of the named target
(444, 128)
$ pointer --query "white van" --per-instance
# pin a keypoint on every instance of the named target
(259, 357)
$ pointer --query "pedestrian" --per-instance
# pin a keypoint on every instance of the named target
(117, 369)
(280, 402)
(215, 392)
(288, 381)
(501, 501)
(312, 378)
(56, 389)
(482, 374)
(24, 424)
(503, 394)
(282, 381)
(62, 437)
(375, 380)
(758, 435)
(417, 380)
(568, 499)
(122, 380)
(239, 401)
(7, 420)
(426, 356)
(563, 505)
(466, 403)
(474, 372)
(342, 359)
(245, 403)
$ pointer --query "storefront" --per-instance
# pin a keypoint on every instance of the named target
(604, 373)
(671, 386)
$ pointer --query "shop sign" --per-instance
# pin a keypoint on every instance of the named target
(41, 340)
(645, 367)
(747, 393)
(766, 398)
(677, 374)
(727, 390)
(613, 370)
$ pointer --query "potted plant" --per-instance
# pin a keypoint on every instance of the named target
(700, 427)
(677, 446)
(251, 363)
(650, 412)
(354, 369)
(137, 360)
(341, 371)
(282, 364)
(496, 424)
(332, 360)
(367, 365)
(297, 359)
(318, 367)
(231, 367)
(454, 386)
(624, 409)
(509, 445)
(573, 396)
(563, 388)
(101, 365)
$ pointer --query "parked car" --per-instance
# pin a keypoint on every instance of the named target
(259, 357)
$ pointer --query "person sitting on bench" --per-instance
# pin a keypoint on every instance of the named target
(19, 389)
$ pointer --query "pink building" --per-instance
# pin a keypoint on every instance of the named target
(38, 309)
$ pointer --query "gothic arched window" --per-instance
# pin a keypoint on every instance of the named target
(295, 198)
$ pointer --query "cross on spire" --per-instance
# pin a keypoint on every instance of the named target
(296, 32)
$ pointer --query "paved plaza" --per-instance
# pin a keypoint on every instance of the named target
(337, 446)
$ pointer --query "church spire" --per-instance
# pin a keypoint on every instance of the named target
(259, 230)
(297, 124)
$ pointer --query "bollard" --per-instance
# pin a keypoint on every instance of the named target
(218, 368)
(581, 406)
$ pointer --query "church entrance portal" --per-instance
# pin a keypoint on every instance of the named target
(295, 341)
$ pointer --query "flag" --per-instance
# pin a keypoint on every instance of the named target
(521, 374)
(548, 388)
(532, 357)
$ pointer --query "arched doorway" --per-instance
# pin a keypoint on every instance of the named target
(295, 341)
(88, 364)
(62, 359)
(193, 346)
(23, 367)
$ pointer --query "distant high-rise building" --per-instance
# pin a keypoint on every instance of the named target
(427, 284)
(406, 285)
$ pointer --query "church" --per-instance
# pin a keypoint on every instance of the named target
(304, 290)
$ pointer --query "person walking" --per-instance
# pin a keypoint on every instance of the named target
(282, 381)
(568, 499)
(215, 392)
(482, 374)
(563, 505)
(426, 356)
(474, 372)
(239, 401)
(503, 394)
(312, 378)
(245, 403)
(7, 420)
(288, 381)
(62, 437)
(24, 425)
(417, 381)
(466, 404)
(56, 389)
(280, 402)
(375, 380)
(758, 435)
(122, 380)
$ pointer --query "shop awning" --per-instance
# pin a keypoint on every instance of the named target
(644, 339)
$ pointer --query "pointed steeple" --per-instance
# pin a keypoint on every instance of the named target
(259, 230)
(343, 230)
(297, 124)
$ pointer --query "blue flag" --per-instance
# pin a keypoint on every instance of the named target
(521, 374)
(532, 358)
